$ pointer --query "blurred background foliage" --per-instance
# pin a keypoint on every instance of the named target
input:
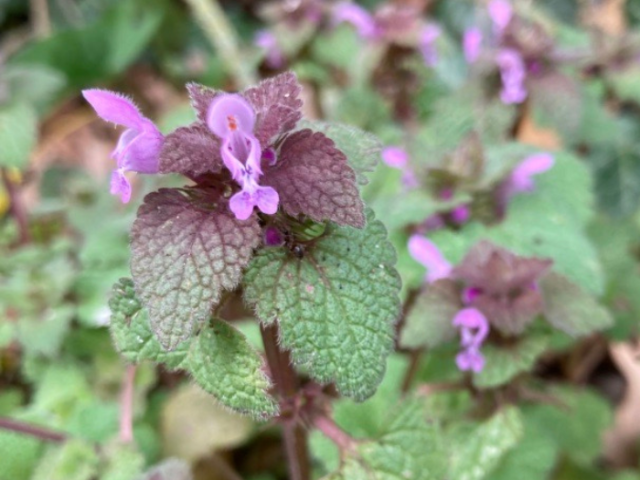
(64, 239)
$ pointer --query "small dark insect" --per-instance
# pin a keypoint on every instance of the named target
(294, 247)
(297, 250)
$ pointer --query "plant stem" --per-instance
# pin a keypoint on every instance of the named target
(412, 369)
(286, 383)
(31, 430)
(126, 405)
(332, 431)
(16, 208)
(221, 34)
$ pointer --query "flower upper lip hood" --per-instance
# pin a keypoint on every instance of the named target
(139, 145)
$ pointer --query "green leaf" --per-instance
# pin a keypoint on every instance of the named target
(477, 453)
(502, 363)
(429, 321)
(577, 427)
(361, 148)
(132, 333)
(171, 469)
(625, 83)
(410, 447)
(184, 252)
(125, 462)
(571, 309)
(23, 451)
(18, 134)
(336, 306)
(73, 460)
(224, 364)
(220, 359)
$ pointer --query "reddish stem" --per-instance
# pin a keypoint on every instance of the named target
(333, 432)
(31, 430)
(286, 384)
(126, 405)
(16, 208)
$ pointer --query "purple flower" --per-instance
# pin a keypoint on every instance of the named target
(357, 16)
(426, 44)
(460, 214)
(273, 237)
(139, 145)
(267, 41)
(512, 71)
(397, 157)
(501, 13)
(471, 44)
(232, 119)
(521, 179)
(425, 252)
(474, 329)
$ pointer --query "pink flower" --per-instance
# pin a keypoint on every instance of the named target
(427, 47)
(474, 329)
(397, 157)
(357, 16)
(521, 179)
(513, 73)
(426, 253)
(471, 44)
(501, 13)
(139, 145)
(232, 119)
(267, 41)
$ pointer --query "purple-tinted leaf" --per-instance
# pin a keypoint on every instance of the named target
(510, 314)
(184, 253)
(277, 104)
(201, 97)
(498, 271)
(313, 178)
(191, 151)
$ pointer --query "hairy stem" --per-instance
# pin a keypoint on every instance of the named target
(31, 430)
(126, 405)
(286, 383)
(16, 207)
(412, 370)
(221, 34)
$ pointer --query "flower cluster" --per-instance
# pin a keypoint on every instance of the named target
(498, 288)
(246, 143)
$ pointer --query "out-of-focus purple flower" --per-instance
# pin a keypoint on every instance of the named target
(425, 252)
(512, 72)
(357, 16)
(460, 214)
(266, 40)
(139, 145)
(232, 119)
(501, 13)
(474, 329)
(471, 44)
(521, 179)
(427, 46)
(395, 157)
(469, 294)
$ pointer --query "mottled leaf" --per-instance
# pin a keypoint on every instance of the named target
(571, 309)
(184, 253)
(336, 306)
(477, 452)
(429, 321)
(277, 105)
(502, 363)
(410, 447)
(224, 364)
(201, 98)
(191, 151)
(361, 148)
(131, 331)
(313, 178)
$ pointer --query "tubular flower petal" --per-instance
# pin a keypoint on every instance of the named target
(474, 329)
(425, 252)
(274, 56)
(471, 44)
(501, 13)
(427, 47)
(357, 16)
(232, 119)
(139, 145)
(513, 74)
